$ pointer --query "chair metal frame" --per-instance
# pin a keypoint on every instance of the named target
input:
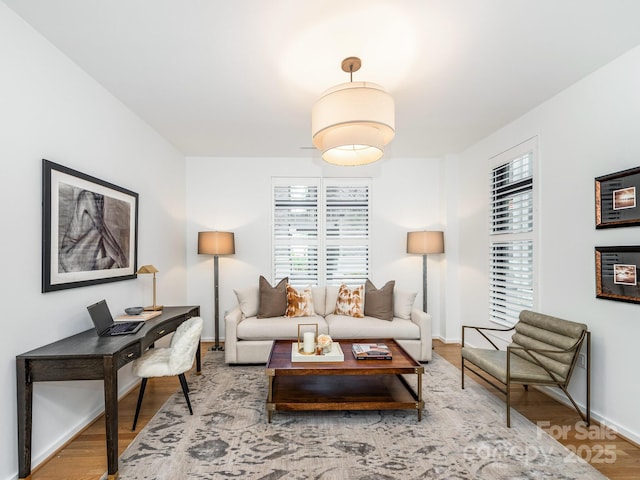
(505, 388)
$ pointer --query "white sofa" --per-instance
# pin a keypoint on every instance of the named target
(248, 339)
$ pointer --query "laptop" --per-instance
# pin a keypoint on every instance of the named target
(105, 326)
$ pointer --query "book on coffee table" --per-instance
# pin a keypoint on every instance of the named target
(371, 351)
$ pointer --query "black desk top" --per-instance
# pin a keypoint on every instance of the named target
(89, 344)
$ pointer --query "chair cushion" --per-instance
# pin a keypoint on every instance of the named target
(494, 362)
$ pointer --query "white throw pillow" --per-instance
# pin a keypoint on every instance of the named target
(403, 303)
(248, 300)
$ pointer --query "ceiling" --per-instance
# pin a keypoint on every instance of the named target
(239, 77)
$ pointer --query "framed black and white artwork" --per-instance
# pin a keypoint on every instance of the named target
(89, 230)
(617, 270)
(616, 204)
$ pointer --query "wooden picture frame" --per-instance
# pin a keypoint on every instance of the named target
(616, 194)
(89, 230)
(618, 273)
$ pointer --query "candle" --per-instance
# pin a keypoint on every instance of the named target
(309, 343)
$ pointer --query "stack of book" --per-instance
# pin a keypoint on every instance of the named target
(371, 351)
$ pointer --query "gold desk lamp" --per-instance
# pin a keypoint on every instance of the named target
(154, 270)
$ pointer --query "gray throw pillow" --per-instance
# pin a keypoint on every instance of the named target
(378, 303)
(273, 300)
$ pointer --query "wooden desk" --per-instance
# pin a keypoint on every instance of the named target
(86, 356)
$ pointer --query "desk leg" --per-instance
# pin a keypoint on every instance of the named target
(25, 410)
(111, 415)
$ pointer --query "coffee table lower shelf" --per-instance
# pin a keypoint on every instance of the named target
(342, 392)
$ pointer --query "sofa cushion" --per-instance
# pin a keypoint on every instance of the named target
(342, 326)
(331, 298)
(254, 328)
(403, 303)
(248, 300)
(273, 300)
(350, 301)
(299, 304)
(319, 300)
(378, 302)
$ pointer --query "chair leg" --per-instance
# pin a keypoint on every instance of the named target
(185, 390)
(526, 387)
(143, 385)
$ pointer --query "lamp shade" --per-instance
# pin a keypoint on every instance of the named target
(216, 243)
(147, 269)
(352, 122)
(425, 242)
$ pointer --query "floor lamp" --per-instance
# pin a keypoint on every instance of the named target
(425, 243)
(216, 243)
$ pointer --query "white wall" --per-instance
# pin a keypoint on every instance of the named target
(588, 130)
(50, 109)
(234, 194)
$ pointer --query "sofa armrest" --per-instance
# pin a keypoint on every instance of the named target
(231, 321)
(423, 320)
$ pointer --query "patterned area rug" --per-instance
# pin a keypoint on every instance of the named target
(462, 435)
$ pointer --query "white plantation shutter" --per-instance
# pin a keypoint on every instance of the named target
(346, 232)
(512, 196)
(510, 280)
(511, 245)
(295, 233)
(321, 231)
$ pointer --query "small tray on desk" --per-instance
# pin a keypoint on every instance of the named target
(335, 355)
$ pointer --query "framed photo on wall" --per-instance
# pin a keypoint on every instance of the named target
(618, 273)
(89, 230)
(616, 199)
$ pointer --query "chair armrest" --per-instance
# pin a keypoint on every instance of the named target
(481, 331)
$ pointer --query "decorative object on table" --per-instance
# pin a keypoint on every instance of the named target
(89, 230)
(151, 269)
(616, 204)
(334, 354)
(618, 274)
(371, 351)
(133, 310)
(307, 339)
(324, 343)
(216, 244)
(425, 243)
(167, 362)
(352, 122)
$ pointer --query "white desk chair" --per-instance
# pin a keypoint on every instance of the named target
(167, 362)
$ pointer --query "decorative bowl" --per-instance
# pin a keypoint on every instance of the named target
(133, 310)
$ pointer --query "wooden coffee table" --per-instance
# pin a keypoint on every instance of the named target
(348, 385)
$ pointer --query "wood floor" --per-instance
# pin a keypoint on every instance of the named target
(83, 458)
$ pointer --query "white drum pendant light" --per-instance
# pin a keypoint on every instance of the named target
(352, 122)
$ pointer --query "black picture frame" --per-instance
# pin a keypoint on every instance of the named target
(89, 230)
(618, 273)
(616, 204)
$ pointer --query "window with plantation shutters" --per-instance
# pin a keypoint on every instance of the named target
(511, 229)
(295, 232)
(321, 231)
(346, 232)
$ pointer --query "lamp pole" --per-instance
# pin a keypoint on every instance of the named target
(216, 306)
